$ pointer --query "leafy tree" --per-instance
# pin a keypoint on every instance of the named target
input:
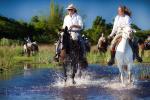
(99, 26)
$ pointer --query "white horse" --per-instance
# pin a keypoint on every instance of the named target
(124, 54)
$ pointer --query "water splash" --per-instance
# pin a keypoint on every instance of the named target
(88, 80)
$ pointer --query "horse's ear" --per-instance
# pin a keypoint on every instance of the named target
(66, 28)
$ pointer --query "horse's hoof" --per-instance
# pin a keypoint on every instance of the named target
(65, 79)
(73, 82)
(111, 62)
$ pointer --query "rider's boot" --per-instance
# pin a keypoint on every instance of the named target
(56, 58)
(135, 50)
(112, 59)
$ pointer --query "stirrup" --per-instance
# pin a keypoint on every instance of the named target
(56, 58)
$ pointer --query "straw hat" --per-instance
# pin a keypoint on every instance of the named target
(71, 6)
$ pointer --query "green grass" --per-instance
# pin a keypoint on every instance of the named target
(97, 58)
(43, 58)
(6, 57)
(11, 56)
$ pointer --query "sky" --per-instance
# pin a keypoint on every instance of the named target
(25, 9)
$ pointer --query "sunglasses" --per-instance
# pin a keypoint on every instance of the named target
(70, 9)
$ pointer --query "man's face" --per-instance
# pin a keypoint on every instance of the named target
(70, 11)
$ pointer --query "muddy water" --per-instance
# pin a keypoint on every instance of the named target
(98, 82)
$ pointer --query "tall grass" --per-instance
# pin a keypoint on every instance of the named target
(45, 55)
(12, 55)
(7, 54)
(9, 42)
(95, 57)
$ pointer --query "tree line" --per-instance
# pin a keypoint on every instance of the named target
(44, 28)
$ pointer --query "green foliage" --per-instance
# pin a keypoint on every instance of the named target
(142, 34)
(55, 19)
(135, 27)
(99, 26)
(43, 29)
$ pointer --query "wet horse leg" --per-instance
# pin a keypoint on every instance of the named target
(80, 72)
(65, 72)
(121, 73)
(74, 70)
(129, 72)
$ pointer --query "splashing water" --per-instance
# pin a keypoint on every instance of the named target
(88, 79)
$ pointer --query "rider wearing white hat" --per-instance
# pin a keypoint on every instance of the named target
(75, 24)
(73, 21)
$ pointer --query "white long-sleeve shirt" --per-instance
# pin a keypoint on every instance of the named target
(75, 19)
(119, 23)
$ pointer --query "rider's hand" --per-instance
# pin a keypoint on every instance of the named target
(72, 26)
(109, 37)
(75, 26)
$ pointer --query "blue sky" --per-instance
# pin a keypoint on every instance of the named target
(25, 9)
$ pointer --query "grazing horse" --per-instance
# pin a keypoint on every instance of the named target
(30, 48)
(70, 55)
(124, 54)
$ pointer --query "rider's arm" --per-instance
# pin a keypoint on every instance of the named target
(128, 21)
(64, 23)
(114, 27)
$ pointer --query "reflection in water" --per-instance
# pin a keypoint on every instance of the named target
(97, 83)
(27, 69)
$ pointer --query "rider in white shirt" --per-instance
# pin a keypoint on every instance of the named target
(122, 20)
(74, 23)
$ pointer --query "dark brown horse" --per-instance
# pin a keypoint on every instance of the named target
(70, 55)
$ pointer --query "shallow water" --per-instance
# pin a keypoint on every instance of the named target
(97, 82)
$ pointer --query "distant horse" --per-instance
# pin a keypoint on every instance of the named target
(143, 45)
(70, 55)
(124, 55)
(102, 44)
(30, 48)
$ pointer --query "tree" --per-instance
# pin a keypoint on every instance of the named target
(99, 26)
(135, 27)
(56, 16)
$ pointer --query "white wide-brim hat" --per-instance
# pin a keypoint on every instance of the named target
(71, 6)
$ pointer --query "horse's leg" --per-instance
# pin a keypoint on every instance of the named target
(129, 72)
(73, 73)
(142, 52)
(122, 78)
(121, 73)
(80, 72)
(65, 72)
(28, 52)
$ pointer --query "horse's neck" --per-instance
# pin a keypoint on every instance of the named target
(122, 45)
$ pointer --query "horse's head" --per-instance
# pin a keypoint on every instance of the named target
(128, 32)
(65, 39)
